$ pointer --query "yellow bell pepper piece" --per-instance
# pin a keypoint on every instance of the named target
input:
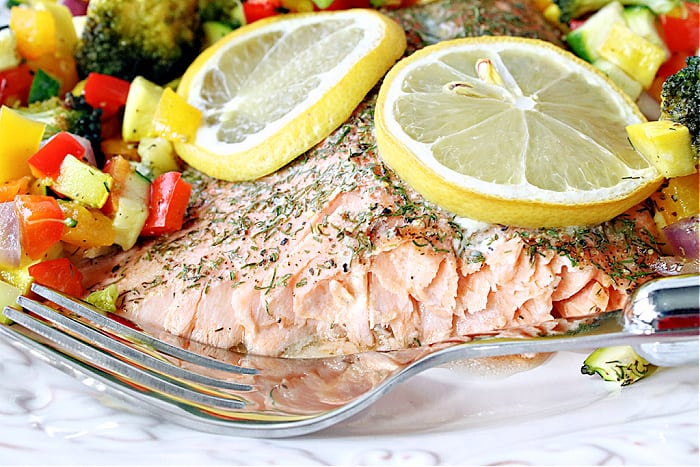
(90, 228)
(35, 31)
(665, 144)
(676, 201)
(20, 138)
(635, 55)
(175, 119)
(66, 37)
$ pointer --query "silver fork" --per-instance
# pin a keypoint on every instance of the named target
(222, 391)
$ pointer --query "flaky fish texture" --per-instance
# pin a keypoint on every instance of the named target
(335, 254)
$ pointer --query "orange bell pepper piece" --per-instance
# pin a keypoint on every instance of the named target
(35, 31)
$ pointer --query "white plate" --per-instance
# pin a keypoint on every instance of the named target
(551, 415)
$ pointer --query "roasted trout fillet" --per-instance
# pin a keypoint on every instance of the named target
(335, 254)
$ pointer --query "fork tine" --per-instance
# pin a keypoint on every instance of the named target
(115, 366)
(110, 344)
(87, 311)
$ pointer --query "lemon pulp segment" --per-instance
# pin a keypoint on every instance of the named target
(271, 90)
(537, 140)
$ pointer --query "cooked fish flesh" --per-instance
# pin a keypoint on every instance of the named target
(335, 254)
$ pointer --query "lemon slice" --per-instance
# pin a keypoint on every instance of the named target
(272, 89)
(512, 131)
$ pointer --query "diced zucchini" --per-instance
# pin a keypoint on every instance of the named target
(105, 299)
(587, 40)
(619, 364)
(666, 144)
(19, 277)
(40, 186)
(635, 55)
(141, 105)
(213, 31)
(157, 155)
(642, 21)
(132, 210)
(631, 87)
(656, 6)
(82, 182)
(9, 57)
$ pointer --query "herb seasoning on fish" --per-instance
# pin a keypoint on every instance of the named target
(335, 254)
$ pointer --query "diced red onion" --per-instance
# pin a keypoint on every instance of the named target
(76, 7)
(649, 106)
(89, 155)
(10, 246)
(684, 237)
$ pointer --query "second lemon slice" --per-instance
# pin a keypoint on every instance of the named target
(271, 90)
(512, 131)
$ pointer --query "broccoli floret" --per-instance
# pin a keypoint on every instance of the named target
(155, 39)
(680, 100)
(571, 9)
(72, 114)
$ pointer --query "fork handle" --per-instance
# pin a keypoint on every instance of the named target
(663, 305)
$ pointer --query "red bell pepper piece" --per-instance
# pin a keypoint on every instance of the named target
(674, 64)
(40, 223)
(59, 274)
(15, 84)
(46, 162)
(682, 32)
(259, 9)
(106, 92)
(170, 196)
